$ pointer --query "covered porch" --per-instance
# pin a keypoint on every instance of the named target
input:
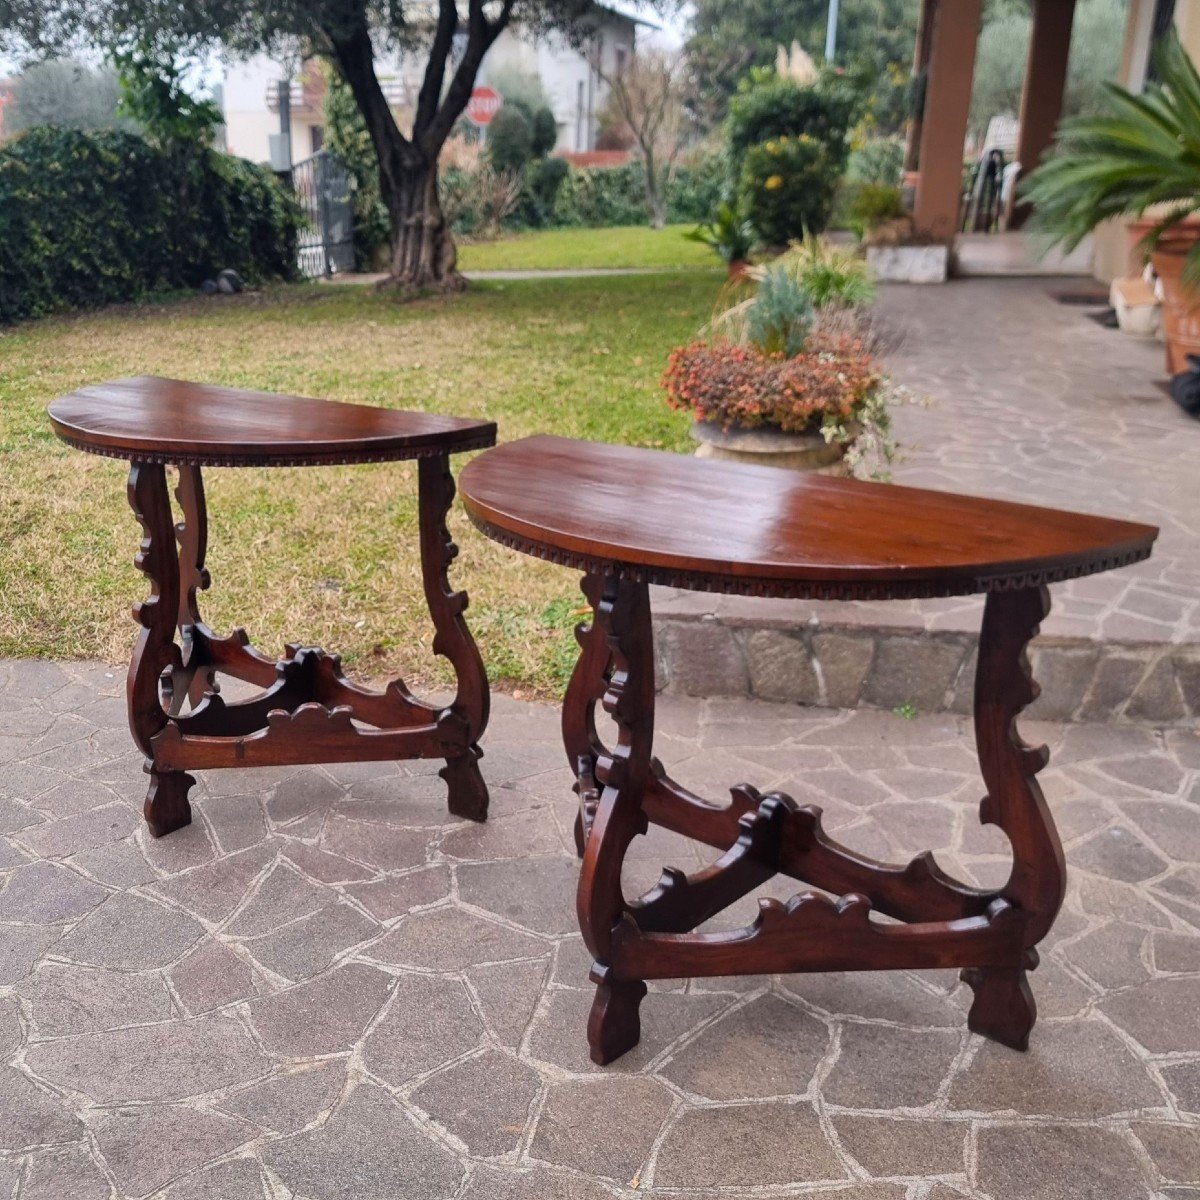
(944, 68)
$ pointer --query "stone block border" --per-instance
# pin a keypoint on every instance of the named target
(853, 666)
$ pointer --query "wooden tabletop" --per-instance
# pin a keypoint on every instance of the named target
(149, 419)
(720, 526)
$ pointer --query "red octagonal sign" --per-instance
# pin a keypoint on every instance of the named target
(484, 104)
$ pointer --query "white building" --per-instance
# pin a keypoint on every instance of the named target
(251, 88)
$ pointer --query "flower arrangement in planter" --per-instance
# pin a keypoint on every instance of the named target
(790, 377)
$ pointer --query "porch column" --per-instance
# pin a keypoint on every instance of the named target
(1045, 82)
(920, 65)
(955, 34)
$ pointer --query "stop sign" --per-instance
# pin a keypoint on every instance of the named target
(484, 104)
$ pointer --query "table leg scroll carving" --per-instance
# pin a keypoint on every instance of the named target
(1004, 1007)
(467, 718)
(622, 615)
(589, 682)
(166, 807)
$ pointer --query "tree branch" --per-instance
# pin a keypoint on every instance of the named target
(435, 69)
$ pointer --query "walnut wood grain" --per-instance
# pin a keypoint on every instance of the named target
(684, 522)
(306, 710)
(631, 517)
(194, 424)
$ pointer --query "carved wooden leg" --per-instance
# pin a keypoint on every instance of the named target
(1004, 1008)
(622, 613)
(468, 796)
(166, 805)
(197, 676)
(589, 682)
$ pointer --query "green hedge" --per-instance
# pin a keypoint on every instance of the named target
(92, 218)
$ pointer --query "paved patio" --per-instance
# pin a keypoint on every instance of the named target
(1032, 401)
(323, 988)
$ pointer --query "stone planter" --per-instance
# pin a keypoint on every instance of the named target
(909, 264)
(1181, 305)
(771, 448)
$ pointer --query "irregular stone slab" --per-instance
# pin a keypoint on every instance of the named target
(1118, 853)
(152, 1062)
(119, 864)
(325, 1016)
(237, 822)
(368, 1150)
(306, 947)
(68, 1000)
(395, 895)
(131, 933)
(1111, 955)
(1161, 1014)
(10, 1027)
(559, 1034)
(239, 1179)
(15, 815)
(150, 1146)
(1049, 1162)
(62, 1172)
(448, 939)
(214, 891)
(96, 827)
(42, 893)
(508, 994)
(211, 977)
(882, 1067)
(384, 847)
(289, 1101)
(429, 1022)
(1176, 953)
(1175, 1150)
(895, 1146)
(540, 1183)
(323, 866)
(521, 835)
(537, 893)
(302, 794)
(484, 1101)
(767, 1048)
(616, 1147)
(31, 1117)
(21, 946)
(281, 897)
(748, 1145)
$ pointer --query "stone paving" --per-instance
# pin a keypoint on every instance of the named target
(324, 988)
(1034, 402)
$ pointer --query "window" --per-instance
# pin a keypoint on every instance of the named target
(318, 137)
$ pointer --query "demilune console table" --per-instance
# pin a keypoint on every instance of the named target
(307, 711)
(629, 518)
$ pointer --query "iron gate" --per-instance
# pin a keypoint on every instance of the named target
(327, 236)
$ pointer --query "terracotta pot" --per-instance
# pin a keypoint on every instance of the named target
(1181, 304)
(739, 268)
(771, 448)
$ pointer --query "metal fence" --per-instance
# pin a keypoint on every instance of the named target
(327, 236)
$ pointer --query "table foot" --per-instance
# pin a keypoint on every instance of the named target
(615, 1024)
(1004, 1008)
(467, 794)
(167, 808)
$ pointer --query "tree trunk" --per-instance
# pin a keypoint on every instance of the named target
(424, 257)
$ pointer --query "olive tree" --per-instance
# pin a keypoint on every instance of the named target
(448, 38)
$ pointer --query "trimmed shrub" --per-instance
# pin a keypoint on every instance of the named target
(787, 188)
(89, 219)
(510, 140)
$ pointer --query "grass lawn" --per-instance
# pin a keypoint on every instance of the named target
(328, 555)
(559, 249)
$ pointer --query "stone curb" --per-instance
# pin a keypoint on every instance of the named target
(852, 666)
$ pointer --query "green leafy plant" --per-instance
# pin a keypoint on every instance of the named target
(780, 316)
(89, 219)
(729, 233)
(154, 96)
(1142, 154)
(831, 276)
(787, 187)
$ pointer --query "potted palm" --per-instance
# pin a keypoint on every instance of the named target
(1140, 159)
(730, 235)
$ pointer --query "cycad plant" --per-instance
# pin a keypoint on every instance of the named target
(1143, 153)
